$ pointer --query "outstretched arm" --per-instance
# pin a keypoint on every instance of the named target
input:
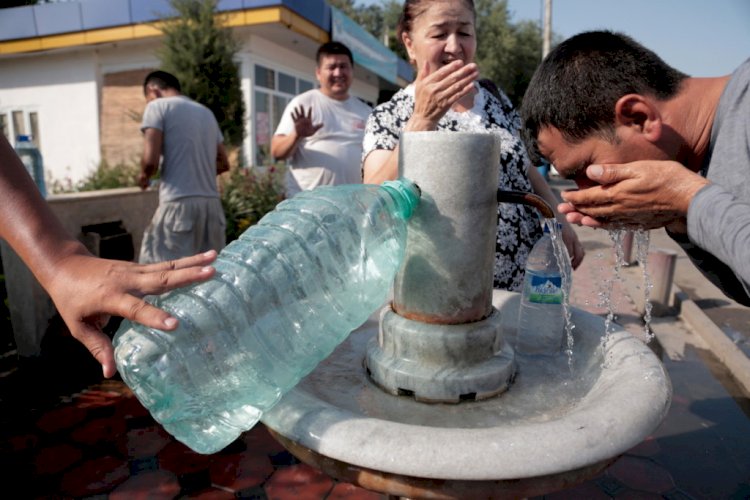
(85, 289)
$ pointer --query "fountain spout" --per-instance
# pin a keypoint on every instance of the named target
(529, 199)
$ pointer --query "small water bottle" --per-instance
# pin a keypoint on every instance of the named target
(541, 317)
(32, 160)
(284, 295)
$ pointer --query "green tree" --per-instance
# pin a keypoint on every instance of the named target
(378, 19)
(200, 52)
(507, 53)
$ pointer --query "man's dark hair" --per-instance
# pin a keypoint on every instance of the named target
(333, 48)
(162, 80)
(576, 87)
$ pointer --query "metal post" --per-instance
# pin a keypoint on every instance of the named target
(661, 265)
(627, 248)
(547, 29)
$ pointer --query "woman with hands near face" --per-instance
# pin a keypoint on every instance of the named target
(440, 38)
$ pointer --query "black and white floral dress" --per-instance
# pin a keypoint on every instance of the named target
(518, 226)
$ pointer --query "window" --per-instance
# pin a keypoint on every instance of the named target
(273, 91)
(264, 77)
(287, 83)
(304, 85)
(15, 122)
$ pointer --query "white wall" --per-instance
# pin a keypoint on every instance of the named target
(62, 88)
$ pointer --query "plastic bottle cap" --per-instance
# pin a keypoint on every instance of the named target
(23, 138)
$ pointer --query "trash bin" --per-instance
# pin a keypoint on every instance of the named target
(109, 240)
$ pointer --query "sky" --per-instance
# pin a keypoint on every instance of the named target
(698, 37)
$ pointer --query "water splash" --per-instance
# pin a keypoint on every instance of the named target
(642, 241)
(566, 273)
(616, 236)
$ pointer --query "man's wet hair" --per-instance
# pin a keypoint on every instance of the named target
(576, 87)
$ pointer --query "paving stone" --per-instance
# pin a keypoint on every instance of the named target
(55, 459)
(106, 430)
(181, 460)
(139, 465)
(130, 407)
(95, 398)
(678, 494)
(647, 448)
(298, 482)
(641, 474)
(283, 459)
(20, 443)
(638, 495)
(95, 476)
(61, 418)
(151, 485)
(240, 471)
(144, 442)
(609, 485)
(348, 491)
(588, 491)
(258, 438)
(213, 493)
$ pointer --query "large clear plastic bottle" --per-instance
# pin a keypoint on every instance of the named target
(541, 317)
(285, 294)
(32, 160)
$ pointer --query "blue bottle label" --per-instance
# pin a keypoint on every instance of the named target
(545, 289)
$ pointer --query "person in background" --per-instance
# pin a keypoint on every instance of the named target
(85, 289)
(321, 130)
(649, 147)
(189, 218)
(440, 39)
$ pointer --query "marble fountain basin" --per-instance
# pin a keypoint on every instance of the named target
(561, 421)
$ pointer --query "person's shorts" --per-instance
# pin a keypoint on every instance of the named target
(182, 228)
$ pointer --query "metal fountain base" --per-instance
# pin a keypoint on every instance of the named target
(559, 423)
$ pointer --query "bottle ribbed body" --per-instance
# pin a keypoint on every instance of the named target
(541, 321)
(285, 294)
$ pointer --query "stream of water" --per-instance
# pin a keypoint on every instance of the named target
(566, 272)
(641, 240)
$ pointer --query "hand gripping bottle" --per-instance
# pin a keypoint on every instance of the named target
(285, 294)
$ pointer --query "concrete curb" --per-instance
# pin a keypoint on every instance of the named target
(684, 308)
(722, 347)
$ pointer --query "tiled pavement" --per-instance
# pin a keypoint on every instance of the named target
(65, 433)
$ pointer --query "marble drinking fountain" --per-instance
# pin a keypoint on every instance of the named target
(428, 399)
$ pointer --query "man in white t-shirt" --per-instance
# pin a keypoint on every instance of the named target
(321, 130)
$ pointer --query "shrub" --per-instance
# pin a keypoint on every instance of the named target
(247, 194)
(105, 176)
